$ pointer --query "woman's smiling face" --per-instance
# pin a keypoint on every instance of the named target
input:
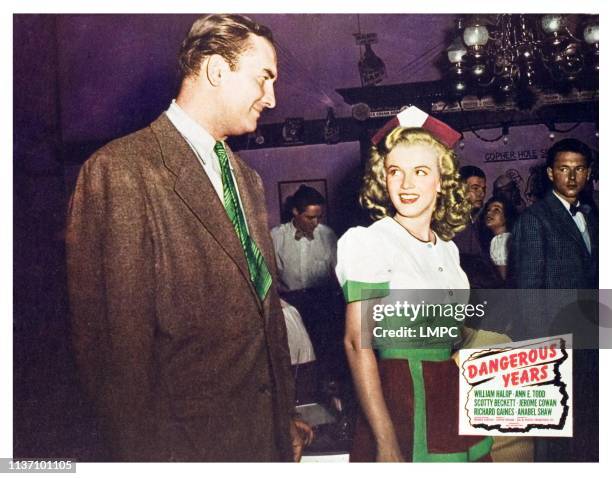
(413, 179)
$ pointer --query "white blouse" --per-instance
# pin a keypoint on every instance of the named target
(386, 256)
(499, 249)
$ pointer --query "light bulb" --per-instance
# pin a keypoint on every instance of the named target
(455, 56)
(591, 34)
(459, 86)
(479, 70)
(552, 23)
(456, 51)
(476, 36)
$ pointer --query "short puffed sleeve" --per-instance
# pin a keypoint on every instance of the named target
(499, 249)
(362, 270)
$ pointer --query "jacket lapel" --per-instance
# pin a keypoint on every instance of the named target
(193, 186)
(564, 221)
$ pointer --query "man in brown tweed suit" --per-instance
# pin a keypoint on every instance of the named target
(184, 358)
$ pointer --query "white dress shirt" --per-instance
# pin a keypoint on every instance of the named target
(305, 263)
(202, 144)
(579, 219)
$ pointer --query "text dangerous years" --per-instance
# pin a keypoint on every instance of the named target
(521, 359)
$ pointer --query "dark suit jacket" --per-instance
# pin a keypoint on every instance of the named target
(182, 359)
(548, 252)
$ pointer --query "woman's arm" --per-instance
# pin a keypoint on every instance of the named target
(364, 369)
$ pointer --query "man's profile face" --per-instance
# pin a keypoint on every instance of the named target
(249, 89)
(308, 220)
(569, 175)
(477, 189)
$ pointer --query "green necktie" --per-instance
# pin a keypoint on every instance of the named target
(258, 270)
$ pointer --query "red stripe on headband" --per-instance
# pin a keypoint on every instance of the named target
(441, 132)
(438, 129)
(385, 130)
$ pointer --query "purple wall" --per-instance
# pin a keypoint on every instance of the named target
(118, 71)
(338, 164)
(50, 416)
(39, 196)
(526, 148)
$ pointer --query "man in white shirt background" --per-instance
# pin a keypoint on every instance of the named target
(305, 252)
(305, 248)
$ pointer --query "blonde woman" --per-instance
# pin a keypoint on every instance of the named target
(408, 397)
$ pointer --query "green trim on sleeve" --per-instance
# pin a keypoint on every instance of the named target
(358, 291)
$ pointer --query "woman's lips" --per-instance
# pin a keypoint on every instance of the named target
(408, 199)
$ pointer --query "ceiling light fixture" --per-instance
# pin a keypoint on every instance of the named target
(509, 54)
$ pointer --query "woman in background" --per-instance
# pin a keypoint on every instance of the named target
(498, 218)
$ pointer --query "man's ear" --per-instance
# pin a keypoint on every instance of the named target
(295, 212)
(589, 173)
(216, 67)
(549, 172)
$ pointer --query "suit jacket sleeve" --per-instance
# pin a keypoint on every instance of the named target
(111, 290)
(528, 259)
(528, 252)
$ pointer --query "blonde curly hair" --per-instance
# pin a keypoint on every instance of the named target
(452, 211)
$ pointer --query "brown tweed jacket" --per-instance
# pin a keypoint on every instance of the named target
(181, 358)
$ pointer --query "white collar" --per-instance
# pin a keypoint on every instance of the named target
(564, 202)
(193, 132)
(293, 229)
(407, 234)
